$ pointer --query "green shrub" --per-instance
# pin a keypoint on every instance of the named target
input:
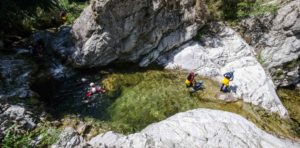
(72, 8)
(49, 135)
(254, 9)
(238, 9)
(19, 17)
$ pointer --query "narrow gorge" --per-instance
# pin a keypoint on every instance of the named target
(140, 53)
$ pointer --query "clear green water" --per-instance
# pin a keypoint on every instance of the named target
(136, 99)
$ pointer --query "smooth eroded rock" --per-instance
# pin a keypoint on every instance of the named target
(224, 51)
(277, 39)
(134, 31)
(195, 128)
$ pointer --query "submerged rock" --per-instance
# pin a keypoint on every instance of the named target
(133, 30)
(196, 128)
(277, 39)
(221, 52)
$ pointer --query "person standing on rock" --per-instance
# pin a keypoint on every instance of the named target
(190, 79)
(225, 82)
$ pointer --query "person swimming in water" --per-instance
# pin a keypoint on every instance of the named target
(95, 89)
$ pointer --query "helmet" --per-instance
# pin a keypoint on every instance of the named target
(92, 84)
(83, 79)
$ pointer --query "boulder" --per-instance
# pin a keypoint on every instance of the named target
(223, 51)
(137, 31)
(195, 128)
(16, 118)
(277, 39)
(69, 138)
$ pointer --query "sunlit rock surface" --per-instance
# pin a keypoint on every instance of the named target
(195, 128)
(221, 52)
(69, 138)
(277, 41)
(133, 30)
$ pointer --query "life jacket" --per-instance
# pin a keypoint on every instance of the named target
(225, 81)
(187, 82)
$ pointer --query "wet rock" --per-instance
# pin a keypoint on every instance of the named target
(196, 128)
(276, 37)
(58, 49)
(133, 30)
(226, 97)
(224, 51)
(15, 76)
(60, 43)
(69, 138)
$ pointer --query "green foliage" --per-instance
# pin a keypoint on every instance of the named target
(238, 9)
(260, 59)
(278, 73)
(19, 17)
(12, 139)
(254, 9)
(72, 8)
(48, 135)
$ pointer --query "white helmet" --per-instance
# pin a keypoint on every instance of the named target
(83, 79)
(92, 84)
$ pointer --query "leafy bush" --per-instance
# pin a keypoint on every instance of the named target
(47, 136)
(21, 17)
(238, 9)
(73, 8)
(253, 9)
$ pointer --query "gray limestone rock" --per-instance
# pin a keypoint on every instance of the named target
(16, 118)
(195, 128)
(276, 38)
(134, 31)
(69, 138)
(224, 51)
